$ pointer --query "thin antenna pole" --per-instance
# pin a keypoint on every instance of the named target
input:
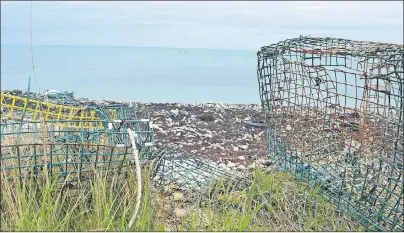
(32, 53)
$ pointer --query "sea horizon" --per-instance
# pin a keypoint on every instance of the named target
(136, 74)
(131, 46)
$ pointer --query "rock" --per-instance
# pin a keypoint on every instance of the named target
(185, 113)
(217, 146)
(230, 164)
(244, 147)
(206, 117)
(242, 167)
(156, 178)
(247, 119)
(179, 213)
(202, 148)
(260, 134)
(241, 158)
(174, 112)
(251, 167)
(238, 120)
(208, 135)
(267, 163)
(235, 148)
(178, 134)
(222, 165)
(259, 161)
(288, 127)
(177, 196)
(162, 131)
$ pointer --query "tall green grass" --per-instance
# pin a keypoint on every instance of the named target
(275, 202)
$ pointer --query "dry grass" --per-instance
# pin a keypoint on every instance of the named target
(275, 202)
(105, 202)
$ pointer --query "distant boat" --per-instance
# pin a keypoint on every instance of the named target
(183, 51)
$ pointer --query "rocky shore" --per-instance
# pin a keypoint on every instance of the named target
(215, 132)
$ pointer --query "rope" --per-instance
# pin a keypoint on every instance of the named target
(138, 175)
(27, 100)
(32, 53)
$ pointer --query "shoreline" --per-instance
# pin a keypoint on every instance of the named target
(22, 93)
(216, 132)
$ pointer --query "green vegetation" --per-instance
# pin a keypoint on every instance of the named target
(275, 202)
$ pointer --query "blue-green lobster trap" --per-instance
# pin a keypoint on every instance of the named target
(74, 142)
(74, 147)
(334, 110)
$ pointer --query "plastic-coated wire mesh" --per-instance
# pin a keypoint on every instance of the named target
(73, 141)
(65, 98)
(74, 147)
(177, 168)
(334, 110)
(12, 107)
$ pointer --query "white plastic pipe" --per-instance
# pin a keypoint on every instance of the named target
(138, 175)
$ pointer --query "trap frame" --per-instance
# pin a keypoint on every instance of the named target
(334, 110)
(73, 142)
(69, 141)
(176, 168)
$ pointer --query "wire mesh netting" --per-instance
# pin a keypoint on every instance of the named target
(176, 168)
(73, 142)
(70, 141)
(334, 110)
(13, 107)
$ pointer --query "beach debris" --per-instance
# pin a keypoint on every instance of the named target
(61, 97)
(193, 137)
(51, 94)
(257, 124)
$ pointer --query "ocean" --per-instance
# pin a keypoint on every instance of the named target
(134, 74)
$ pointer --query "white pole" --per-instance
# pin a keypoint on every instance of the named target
(138, 174)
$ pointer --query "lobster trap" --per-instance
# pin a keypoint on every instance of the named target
(334, 110)
(177, 169)
(69, 141)
(73, 142)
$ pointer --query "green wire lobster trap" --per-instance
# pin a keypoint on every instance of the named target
(334, 110)
(73, 147)
(73, 142)
(176, 168)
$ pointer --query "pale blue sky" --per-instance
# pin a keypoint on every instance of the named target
(228, 25)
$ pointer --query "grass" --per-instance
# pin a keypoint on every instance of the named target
(275, 202)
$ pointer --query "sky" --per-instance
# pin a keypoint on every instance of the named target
(244, 25)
